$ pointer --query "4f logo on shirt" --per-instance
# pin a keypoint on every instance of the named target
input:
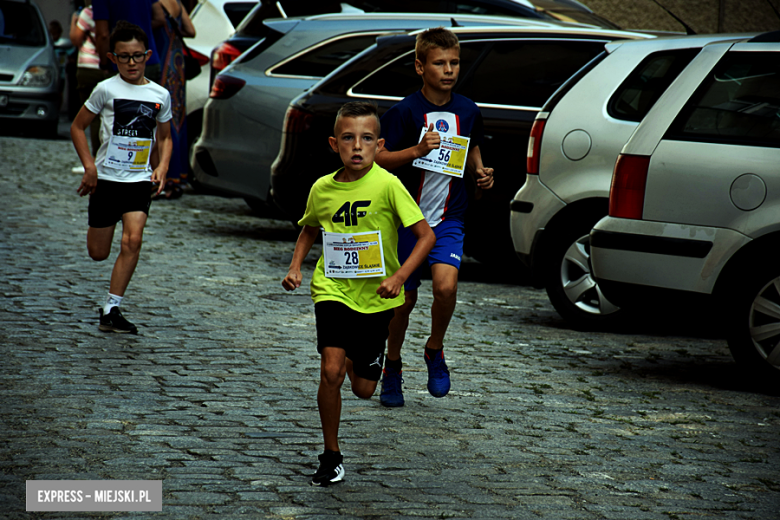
(349, 213)
(442, 126)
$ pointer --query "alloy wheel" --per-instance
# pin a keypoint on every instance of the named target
(765, 322)
(578, 283)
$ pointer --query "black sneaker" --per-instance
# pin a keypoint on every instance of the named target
(115, 322)
(331, 469)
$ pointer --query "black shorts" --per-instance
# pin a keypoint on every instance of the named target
(362, 336)
(112, 199)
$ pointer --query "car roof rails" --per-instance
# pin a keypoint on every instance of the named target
(772, 36)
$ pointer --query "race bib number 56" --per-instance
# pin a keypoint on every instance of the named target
(449, 158)
(353, 255)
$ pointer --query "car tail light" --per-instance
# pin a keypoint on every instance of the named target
(225, 87)
(534, 147)
(202, 58)
(223, 56)
(627, 193)
(297, 121)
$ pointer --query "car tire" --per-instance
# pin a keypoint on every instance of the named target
(568, 279)
(753, 324)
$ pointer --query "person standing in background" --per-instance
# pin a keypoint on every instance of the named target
(147, 14)
(168, 40)
(88, 73)
(62, 49)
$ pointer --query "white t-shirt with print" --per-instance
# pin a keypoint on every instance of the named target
(128, 120)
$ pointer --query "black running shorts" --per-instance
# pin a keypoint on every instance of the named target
(362, 336)
(111, 200)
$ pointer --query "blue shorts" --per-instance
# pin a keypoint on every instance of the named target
(448, 249)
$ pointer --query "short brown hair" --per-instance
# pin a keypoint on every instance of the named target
(358, 109)
(438, 37)
(127, 32)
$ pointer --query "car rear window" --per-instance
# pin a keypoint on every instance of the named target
(526, 72)
(20, 25)
(738, 103)
(649, 80)
(237, 11)
(322, 60)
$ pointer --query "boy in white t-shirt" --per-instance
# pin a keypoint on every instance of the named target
(134, 113)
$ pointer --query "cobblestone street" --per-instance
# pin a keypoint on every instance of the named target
(216, 394)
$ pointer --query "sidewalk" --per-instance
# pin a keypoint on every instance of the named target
(216, 395)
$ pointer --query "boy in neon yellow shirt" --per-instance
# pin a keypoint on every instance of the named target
(358, 280)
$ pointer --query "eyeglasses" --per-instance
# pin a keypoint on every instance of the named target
(138, 57)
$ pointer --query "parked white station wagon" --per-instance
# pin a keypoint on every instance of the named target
(576, 138)
(695, 200)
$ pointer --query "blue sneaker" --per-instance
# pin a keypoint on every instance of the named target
(392, 395)
(438, 375)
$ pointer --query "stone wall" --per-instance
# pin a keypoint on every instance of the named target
(703, 16)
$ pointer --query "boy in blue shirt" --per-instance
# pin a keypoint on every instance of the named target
(442, 198)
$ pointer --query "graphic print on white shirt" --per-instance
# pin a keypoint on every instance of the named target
(435, 189)
(133, 134)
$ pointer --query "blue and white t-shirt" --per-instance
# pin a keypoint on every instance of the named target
(439, 196)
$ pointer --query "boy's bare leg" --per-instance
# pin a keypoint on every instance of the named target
(399, 324)
(132, 237)
(445, 296)
(332, 372)
(361, 387)
(99, 242)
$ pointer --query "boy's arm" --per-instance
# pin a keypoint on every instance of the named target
(80, 123)
(391, 287)
(302, 247)
(392, 160)
(164, 151)
(483, 176)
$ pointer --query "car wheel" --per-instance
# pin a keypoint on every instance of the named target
(753, 329)
(570, 284)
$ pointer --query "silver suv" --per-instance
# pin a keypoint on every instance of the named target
(29, 70)
(695, 201)
(574, 143)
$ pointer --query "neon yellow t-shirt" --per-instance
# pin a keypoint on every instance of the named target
(377, 201)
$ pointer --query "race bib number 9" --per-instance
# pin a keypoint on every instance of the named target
(449, 158)
(353, 255)
(128, 153)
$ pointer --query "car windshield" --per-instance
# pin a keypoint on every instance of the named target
(20, 25)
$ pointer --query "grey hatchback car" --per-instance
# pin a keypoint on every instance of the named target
(29, 70)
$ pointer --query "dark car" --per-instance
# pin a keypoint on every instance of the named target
(252, 28)
(508, 71)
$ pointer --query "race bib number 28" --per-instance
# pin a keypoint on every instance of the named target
(353, 255)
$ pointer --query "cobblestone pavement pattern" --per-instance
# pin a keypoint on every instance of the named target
(216, 395)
